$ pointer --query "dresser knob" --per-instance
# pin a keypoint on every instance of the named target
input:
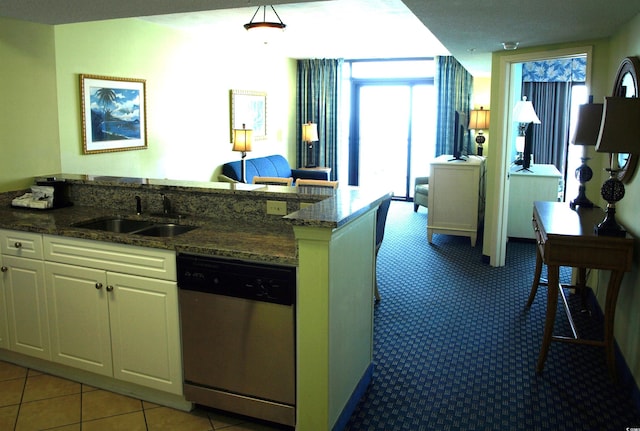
(109, 288)
(4, 269)
(98, 286)
(18, 244)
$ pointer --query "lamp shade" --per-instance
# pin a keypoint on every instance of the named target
(620, 126)
(309, 132)
(242, 139)
(523, 112)
(588, 126)
(479, 119)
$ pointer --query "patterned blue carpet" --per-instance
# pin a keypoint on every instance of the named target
(455, 348)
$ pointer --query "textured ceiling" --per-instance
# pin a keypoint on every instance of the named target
(468, 29)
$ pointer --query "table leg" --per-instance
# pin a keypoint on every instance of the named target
(552, 305)
(615, 279)
(581, 288)
(536, 278)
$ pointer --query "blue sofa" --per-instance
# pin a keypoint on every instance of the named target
(270, 166)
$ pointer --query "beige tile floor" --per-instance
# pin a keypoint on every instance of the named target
(30, 400)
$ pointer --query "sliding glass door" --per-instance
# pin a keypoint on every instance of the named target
(393, 135)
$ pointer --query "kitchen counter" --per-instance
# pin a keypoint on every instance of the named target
(230, 217)
(328, 235)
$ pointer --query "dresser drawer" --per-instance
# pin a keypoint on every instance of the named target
(539, 234)
(21, 244)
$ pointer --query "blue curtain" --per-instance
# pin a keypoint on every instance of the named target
(550, 139)
(454, 85)
(318, 89)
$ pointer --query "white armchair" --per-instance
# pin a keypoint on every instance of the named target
(421, 193)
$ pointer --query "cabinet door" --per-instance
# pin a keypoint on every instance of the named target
(145, 331)
(4, 328)
(79, 317)
(26, 306)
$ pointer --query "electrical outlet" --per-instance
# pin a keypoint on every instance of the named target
(277, 207)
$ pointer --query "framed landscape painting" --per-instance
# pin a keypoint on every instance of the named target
(249, 108)
(113, 114)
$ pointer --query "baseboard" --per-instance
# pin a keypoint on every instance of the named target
(352, 403)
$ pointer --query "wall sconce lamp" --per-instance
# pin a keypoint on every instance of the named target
(586, 133)
(525, 115)
(479, 120)
(309, 136)
(619, 130)
(242, 141)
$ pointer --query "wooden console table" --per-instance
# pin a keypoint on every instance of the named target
(566, 238)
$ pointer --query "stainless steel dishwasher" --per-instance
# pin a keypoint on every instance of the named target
(238, 336)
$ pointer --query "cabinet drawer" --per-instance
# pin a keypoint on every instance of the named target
(127, 259)
(21, 244)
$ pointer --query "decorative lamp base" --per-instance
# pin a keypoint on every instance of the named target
(583, 175)
(609, 226)
(311, 156)
(480, 139)
(581, 200)
(612, 191)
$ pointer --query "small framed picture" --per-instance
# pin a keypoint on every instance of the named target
(113, 114)
(249, 108)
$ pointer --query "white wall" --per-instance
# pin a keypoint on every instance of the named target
(188, 80)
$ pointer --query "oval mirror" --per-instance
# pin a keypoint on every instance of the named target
(626, 85)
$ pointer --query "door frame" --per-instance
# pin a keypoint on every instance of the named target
(502, 132)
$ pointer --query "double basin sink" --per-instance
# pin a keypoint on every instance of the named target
(137, 227)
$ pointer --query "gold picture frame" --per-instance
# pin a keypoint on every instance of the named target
(113, 114)
(249, 108)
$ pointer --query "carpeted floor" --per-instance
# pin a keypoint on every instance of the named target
(455, 348)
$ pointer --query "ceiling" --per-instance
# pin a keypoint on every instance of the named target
(468, 29)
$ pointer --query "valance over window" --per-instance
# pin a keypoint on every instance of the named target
(557, 70)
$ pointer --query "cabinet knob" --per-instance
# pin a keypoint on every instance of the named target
(109, 288)
(98, 286)
(18, 244)
(4, 269)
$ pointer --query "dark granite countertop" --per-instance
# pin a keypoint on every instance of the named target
(272, 242)
(264, 243)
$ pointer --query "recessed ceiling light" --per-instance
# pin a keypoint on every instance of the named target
(510, 46)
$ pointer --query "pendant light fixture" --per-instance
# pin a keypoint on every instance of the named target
(264, 23)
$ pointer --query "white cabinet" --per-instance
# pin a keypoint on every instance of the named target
(541, 183)
(79, 314)
(24, 294)
(456, 197)
(114, 311)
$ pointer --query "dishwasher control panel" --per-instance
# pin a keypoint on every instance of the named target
(248, 280)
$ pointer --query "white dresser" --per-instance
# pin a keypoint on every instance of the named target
(456, 197)
(541, 184)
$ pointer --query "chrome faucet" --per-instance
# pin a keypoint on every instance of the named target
(138, 205)
(166, 204)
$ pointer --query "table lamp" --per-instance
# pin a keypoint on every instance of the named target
(309, 136)
(586, 133)
(242, 141)
(479, 120)
(619, 131)
(525, 115)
